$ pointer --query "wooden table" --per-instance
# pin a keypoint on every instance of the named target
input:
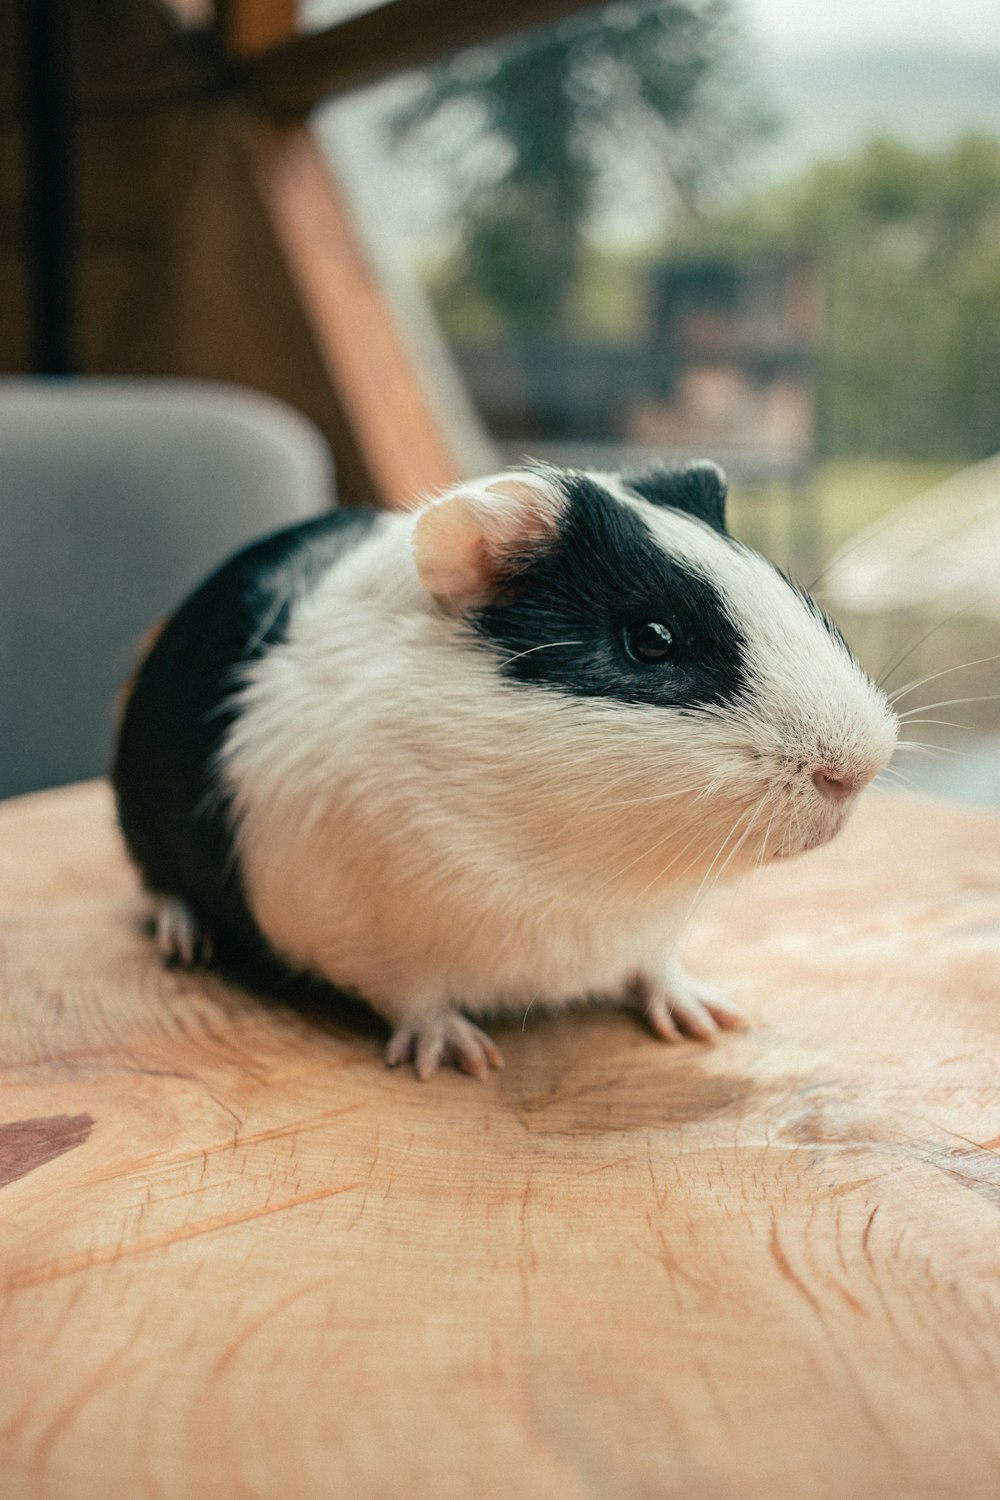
(240, 1258)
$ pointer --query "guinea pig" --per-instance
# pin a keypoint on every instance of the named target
(488, 753)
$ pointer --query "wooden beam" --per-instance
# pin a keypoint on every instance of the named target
(378, 388)
(270, 287)
(246, 27)
(291, 79)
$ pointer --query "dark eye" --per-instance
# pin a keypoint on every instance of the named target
(651, 642)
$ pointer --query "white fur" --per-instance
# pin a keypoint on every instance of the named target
(416, 828)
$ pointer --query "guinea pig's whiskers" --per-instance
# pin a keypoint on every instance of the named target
(758, 859)
(860, 540)
(755, 864)
(903, 784)
(911, 687)
(702, 893)
(798, 827)
(694, 789)
(646, 853)
(956, 614)
(588, 811)
(925, 708)
(762, 852)
(931, 749)
(671, 863)
(671, 833)
(713, 877)
(941, 723)
(546, 646)
(694, 792)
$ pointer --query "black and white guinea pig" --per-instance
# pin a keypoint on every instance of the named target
(486, 754)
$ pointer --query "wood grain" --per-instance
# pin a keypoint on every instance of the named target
(245, 1260)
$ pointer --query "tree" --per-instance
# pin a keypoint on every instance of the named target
(906, 245)
(533, 128)
(908, 242)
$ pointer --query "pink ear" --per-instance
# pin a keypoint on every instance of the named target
(467, 543)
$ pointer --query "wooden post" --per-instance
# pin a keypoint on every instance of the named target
(47, 144)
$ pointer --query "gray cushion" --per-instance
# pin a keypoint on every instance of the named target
(116, 498)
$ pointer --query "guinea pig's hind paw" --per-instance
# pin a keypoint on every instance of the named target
(685, 1006)
(444, 1037)
(182, 940)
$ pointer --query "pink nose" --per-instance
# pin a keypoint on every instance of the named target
(830, 784)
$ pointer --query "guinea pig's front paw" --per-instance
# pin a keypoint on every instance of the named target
(444, 1036)
(677, 1004)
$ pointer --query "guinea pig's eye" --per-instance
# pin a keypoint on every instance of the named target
(651, 642)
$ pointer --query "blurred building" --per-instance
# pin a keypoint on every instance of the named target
(727, 368)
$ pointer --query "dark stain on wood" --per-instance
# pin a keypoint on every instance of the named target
(974, 1165)
(640, 1098)
(27, 1144)
(832, 1123)
(978, 1170)
(596, 1072)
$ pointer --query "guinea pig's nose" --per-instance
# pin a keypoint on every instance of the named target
(833, 784)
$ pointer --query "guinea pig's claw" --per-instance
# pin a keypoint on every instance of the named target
(685, 1006)
(398, 1048)
(182, 940)
(444, 1038)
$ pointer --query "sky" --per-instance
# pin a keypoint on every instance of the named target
(825, 25)
(822, 25)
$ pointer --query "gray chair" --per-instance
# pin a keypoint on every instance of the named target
(116, 498)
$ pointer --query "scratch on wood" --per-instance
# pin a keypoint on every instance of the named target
(968, 1141)
(246, 1333)
(27, 1144)
(241, 1142)
(605, 1166)
(849, 1297)
(105, 1255)
(65, 1413)
(852, 1186)
(976, 1183)
(782, 1263)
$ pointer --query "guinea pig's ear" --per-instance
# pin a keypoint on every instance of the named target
(469, 543)
(698, 488)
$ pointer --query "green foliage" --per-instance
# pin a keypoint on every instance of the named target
(527, 129)
(607, 301)
(907, 250)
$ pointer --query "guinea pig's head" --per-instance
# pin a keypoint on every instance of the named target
(684, 688)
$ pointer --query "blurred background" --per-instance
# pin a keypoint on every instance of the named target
(763, 231)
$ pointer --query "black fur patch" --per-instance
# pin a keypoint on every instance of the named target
(172, 812)
(565, 626)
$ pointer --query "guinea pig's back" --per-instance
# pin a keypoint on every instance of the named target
(172, 809)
